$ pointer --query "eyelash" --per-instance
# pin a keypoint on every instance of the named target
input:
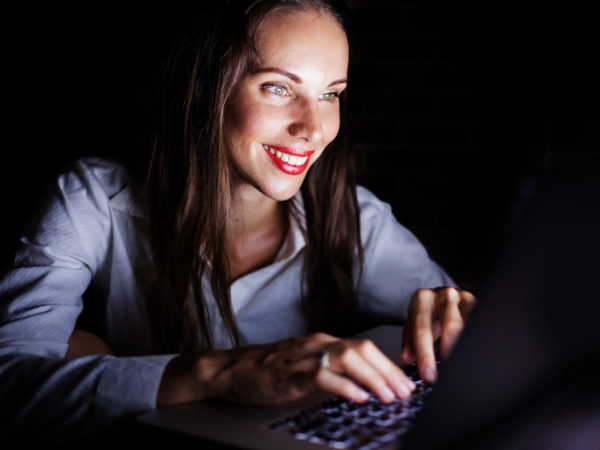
(272, 87)
(334, 96)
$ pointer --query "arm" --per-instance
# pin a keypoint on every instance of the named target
(42, 298)
(40, 301)
(284, 371)
(403, 284)
(83, 343)
(61, 398)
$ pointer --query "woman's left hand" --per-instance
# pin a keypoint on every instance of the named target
(432, 314)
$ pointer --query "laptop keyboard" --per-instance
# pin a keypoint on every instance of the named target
(340, 423)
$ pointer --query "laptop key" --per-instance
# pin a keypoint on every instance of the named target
(332, 433)
(385, 435)
(340, 423)
(365, 441)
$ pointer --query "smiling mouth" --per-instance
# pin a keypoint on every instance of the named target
(289, 160)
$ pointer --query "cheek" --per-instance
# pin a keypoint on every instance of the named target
(331, 126)
(248, 122)
(240, 122)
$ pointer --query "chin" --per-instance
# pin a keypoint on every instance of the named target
(284, 196)
(282, 193)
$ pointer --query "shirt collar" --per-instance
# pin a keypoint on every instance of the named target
(296, 238)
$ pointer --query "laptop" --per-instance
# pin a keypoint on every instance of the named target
(524, 373)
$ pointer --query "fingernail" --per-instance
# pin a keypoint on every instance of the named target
(360, 395)
(429, 375)
(388, 394)
(403, 390)
(410, 384)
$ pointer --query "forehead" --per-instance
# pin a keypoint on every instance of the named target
(291, 38)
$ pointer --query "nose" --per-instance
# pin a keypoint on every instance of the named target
(307, 124)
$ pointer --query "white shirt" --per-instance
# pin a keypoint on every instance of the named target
(88, 239)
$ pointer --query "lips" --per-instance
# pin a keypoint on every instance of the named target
(289, 160)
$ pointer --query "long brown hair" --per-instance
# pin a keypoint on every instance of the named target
(189, 179)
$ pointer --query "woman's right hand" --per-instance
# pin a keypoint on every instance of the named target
(284, 371)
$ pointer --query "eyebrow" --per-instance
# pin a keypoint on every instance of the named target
(295, 78)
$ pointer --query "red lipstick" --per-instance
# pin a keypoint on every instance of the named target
(290, 169)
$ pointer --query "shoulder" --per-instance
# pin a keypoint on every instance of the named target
(79, 213)
(373, 211)
(379, 226)
(98, 182)
(81, 199)
(93, 174)
(369, 203)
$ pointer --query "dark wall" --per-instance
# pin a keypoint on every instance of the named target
(456, 108)
(77, 79)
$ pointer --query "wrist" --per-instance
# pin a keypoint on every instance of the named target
(188, 378)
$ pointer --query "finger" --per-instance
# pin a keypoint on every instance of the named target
(451, 324)
(366, 375)
(407, 356)
(454, 306)
(423, 336)
(394, 377)
(467, 304)
(330, 381)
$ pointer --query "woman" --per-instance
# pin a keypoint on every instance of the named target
(247, 242)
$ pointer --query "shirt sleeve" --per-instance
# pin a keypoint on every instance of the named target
(40, 301)
(395, 262)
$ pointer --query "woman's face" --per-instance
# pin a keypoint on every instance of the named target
(286, 112)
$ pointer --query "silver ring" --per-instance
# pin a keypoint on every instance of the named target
(323, 359)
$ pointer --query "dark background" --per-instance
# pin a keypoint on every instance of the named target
(456, 108)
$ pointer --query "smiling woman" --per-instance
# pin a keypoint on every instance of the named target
(242, 254)
(281, 118)
(286, 111)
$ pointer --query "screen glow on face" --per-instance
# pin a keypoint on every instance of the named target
(286, 112)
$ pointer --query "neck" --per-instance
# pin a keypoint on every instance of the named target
(251, 212)
(256, 229)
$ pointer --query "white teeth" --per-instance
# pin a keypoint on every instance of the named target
(289, 159)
